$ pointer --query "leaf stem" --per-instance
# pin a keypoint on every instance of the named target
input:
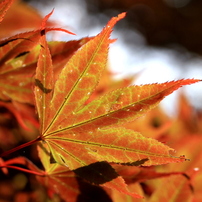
(20, 147)
(23, 169)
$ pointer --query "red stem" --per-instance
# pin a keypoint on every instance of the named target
(23, 169)
(20, 147)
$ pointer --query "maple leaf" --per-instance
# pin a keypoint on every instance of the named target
(79, 134)
(16, 73)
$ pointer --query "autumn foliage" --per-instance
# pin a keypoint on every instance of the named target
(70, 133)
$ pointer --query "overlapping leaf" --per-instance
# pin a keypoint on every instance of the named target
(60, 180)
(57, 180)
(119, 197)
(141, 174)
(175, 189)
(17, 81)
(20, 17)
(79, 134)
(4, 6)
(17, 65)
(20, 112)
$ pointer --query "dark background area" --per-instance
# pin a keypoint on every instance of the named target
(162, 22)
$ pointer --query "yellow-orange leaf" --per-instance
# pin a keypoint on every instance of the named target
(79, 134)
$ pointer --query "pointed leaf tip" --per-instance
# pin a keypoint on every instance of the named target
(114, 20)
(191, 81)
(121, 15)
(45, 19)
(44, 22)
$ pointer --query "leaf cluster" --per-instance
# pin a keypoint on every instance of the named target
(83, 137)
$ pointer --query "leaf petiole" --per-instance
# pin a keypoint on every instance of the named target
(20, 147)
(23, 169)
